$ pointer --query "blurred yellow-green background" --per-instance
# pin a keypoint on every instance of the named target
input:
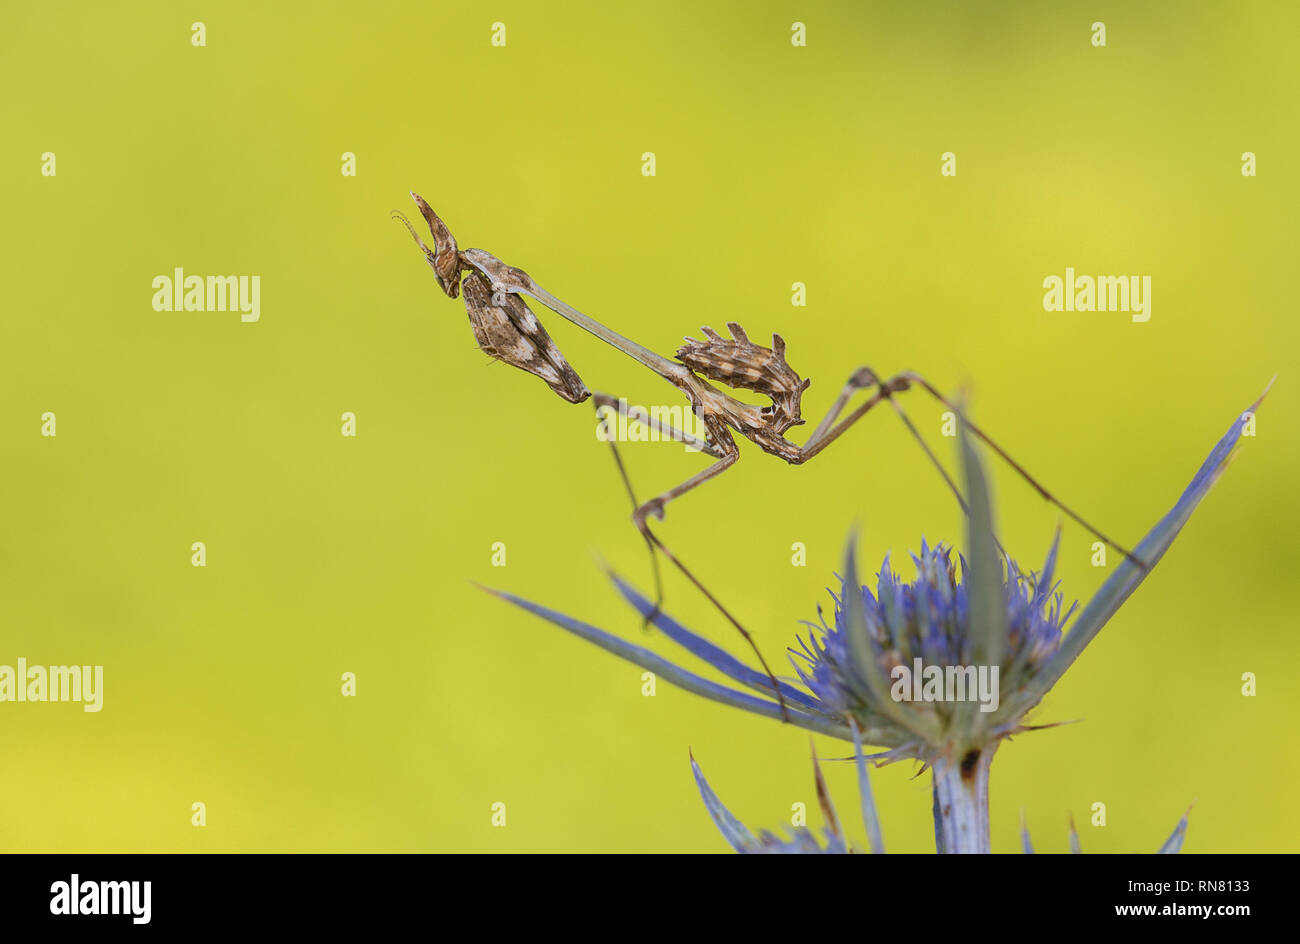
(775, 164)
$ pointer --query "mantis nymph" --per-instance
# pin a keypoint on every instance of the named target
(506, 329)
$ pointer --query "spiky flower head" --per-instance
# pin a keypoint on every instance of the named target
(919, 642)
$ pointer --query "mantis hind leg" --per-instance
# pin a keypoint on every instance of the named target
(726, 458)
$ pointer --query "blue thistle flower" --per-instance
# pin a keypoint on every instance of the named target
(926, 622)
(994, 616)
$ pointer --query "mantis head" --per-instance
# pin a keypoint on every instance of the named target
(444, 257)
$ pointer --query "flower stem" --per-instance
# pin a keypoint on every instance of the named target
(961, 801)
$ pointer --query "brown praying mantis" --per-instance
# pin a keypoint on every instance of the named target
(507, 330)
